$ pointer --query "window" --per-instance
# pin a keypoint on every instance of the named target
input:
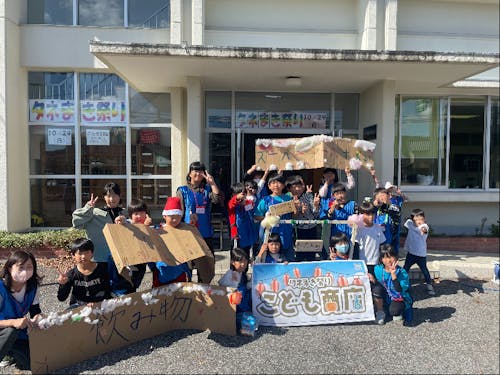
(100, 12)
(495, 144)
(101, 131)
(424, 155)
(218, 109)
(346, 113)
(153, 14)
(51, 12)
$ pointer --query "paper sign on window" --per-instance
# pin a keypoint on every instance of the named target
(59, 137)
(97, 137)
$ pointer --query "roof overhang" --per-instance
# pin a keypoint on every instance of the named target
(157, 67)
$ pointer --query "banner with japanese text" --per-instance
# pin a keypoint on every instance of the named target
(61, 111)
(311, 293)
(281, 120)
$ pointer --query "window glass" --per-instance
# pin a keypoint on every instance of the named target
(154, 14)
(282, 110)
(218, 109)
(102, 99)
(103, 150)
(52, 149)
(466, 143)
(495, 144)
(100, 12)
(154, 193)
(151, 151)
(423, 124)
(346, 111)
(149, 107)
(52, 202)
(220, 161)
(52, 12)
(50, 85)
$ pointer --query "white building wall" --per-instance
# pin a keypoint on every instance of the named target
(465, 26)
(278, 23)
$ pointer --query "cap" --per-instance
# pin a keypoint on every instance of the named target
(172, 207)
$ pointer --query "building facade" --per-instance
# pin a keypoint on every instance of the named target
(134, 90)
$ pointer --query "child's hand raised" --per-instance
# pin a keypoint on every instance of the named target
(63, 278)
(92, 200)
(120, 219)
(316, 200)
(309, 188)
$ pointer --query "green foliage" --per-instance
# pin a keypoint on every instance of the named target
(50, 238)
(495, 229)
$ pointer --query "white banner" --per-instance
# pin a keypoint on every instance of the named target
(311, 293)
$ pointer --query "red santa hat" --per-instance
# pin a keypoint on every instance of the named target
(172, 207)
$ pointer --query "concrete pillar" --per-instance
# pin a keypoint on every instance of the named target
(198, 22)
(194, 119)
(377, 106)
(176, 21)
(178, 137)
(391, 25)
(367, 15)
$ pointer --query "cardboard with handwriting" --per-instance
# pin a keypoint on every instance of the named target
(70, 337)
(309, 246)
(137, 243)
(279, 209)
(318, 151)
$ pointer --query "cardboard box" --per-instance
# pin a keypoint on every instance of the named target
(137, 243)
(318, 151)
(135, 317)
(279, 209)
(309, 246)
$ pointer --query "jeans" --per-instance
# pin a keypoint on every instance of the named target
(422, 264)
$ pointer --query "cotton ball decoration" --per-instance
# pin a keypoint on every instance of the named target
(364, 145)
(273, 167)
(355, 164)
(300, 165)
(289, 166)
(270, 221)
(304, 144)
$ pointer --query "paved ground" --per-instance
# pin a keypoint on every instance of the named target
(456, 331)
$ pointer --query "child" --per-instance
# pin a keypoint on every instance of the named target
(416, 246)
(276, 186)
(330, 178)
(339, 247)
(252, 200)
(236, 277)
(270, 252)
(240, 212)
(338, 208)
(19, 294)
(396, 285)
(258, 176)
(369, 235)
(88, 281)
(163, 273)
(307, 206)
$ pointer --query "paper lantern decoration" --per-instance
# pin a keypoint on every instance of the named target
(296, 272)
(329, 275)
(342, 281)
(286, 278)
(275, 286)
(235, 298)
(260, 288)
(317, 272)
(357, 281)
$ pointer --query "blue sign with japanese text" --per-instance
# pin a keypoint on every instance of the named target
(311, 293)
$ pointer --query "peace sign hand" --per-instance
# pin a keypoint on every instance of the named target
(92, 200)
(63, 278)
(316, 200)
(309, 188)
(209, 178)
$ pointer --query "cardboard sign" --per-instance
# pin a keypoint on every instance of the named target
(309, 293)
(137, 243)
(309, 246)
(318, 151)
(283, 208)
(123, 321)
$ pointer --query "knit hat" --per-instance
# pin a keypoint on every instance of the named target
(172, 207)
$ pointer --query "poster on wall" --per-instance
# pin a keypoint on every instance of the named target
(59, 137)
(97, 137)
(103, 111)
(51, 111)
(281, 120)
(311, 293)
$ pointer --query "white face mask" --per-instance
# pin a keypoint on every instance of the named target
(21, 276)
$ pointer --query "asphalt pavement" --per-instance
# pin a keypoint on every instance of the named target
(456, 331)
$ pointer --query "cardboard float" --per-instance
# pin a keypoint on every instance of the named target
(318, 151)
(68, 337)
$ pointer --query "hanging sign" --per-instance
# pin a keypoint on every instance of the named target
(59, 137)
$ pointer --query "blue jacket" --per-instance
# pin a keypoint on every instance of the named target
(167, 273)
(11, 309)
(403, 278)
(198, 200)
(338, 214)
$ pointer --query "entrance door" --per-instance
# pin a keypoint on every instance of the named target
(247, 155)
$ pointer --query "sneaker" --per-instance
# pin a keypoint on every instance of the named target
(398, 319)
(430, 290)
(6, 361)
(380, 318)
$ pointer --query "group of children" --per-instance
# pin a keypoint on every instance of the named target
(95, 277)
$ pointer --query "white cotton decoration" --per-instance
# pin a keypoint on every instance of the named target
(364, 145)
(289, 166)
(89, 321)
(148, 298)
(369, 165)
(304, 144)
(282, 143)
(86, 311)
(263, 142)
(355, 164)
(300, 165)
(273, 167)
